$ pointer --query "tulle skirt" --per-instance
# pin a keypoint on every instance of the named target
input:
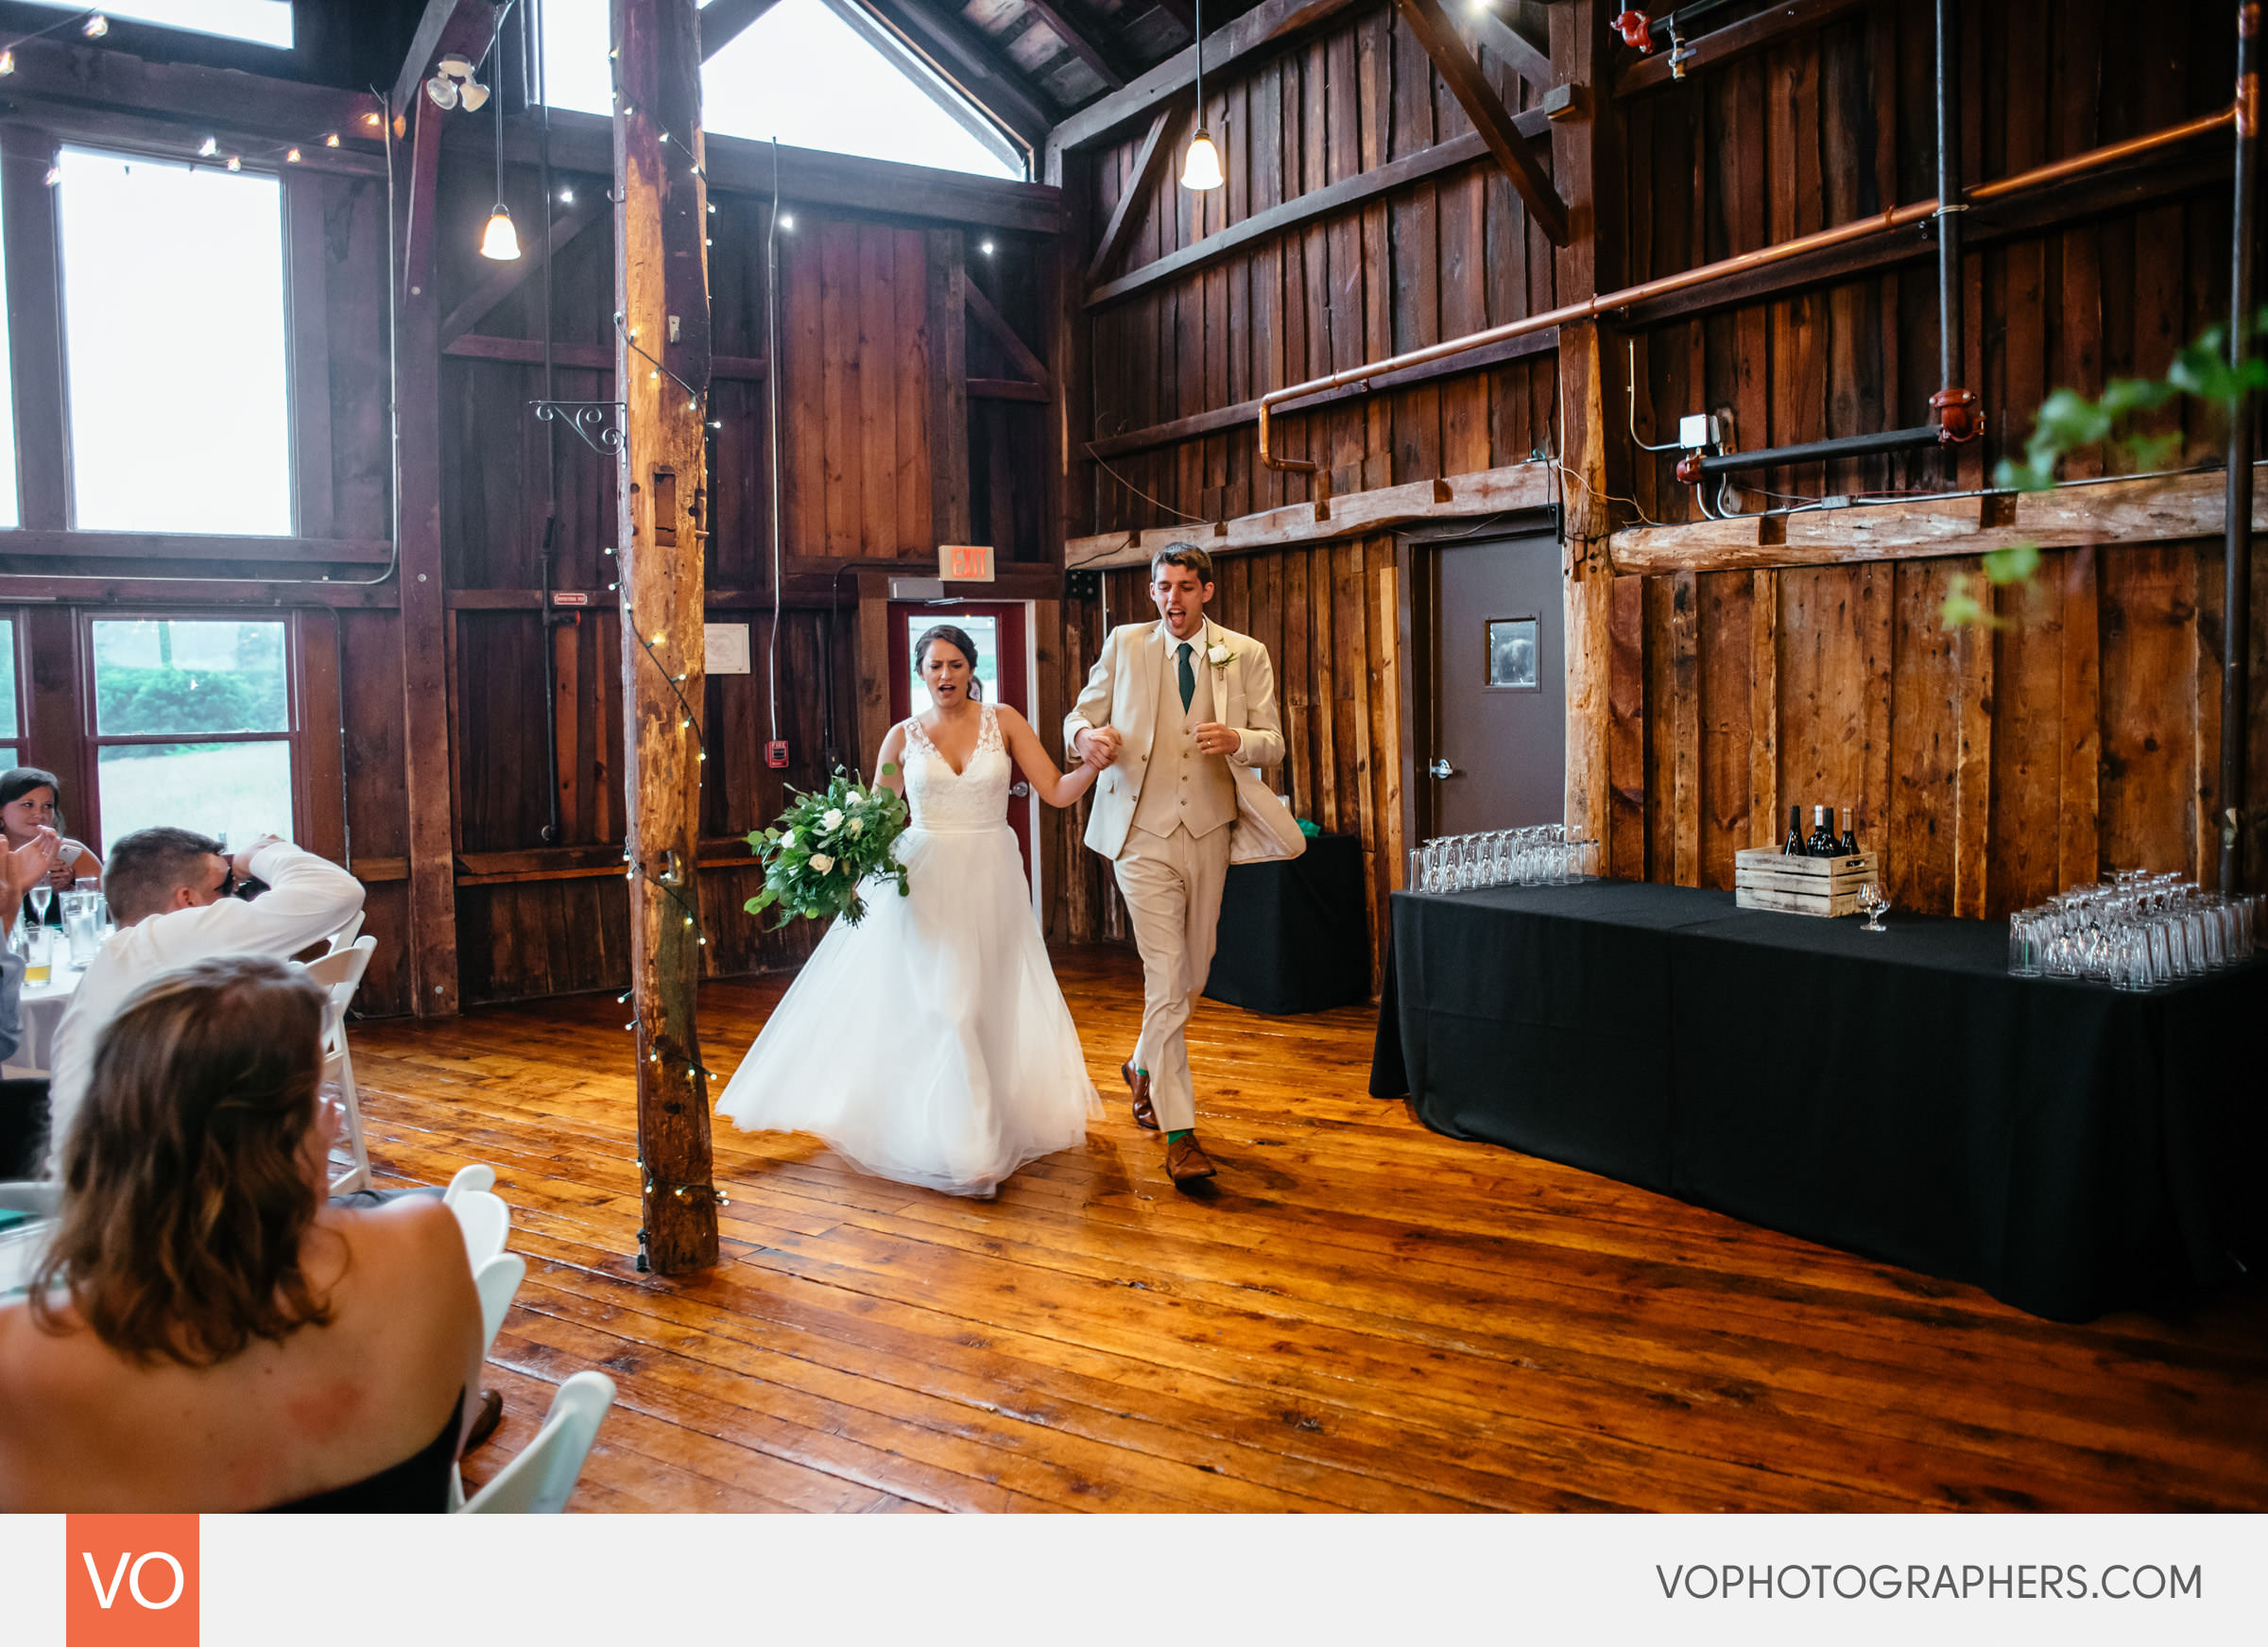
(930, 1043)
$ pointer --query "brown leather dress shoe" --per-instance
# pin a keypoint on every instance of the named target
(1185, 1160)
(485, 1421)
(1139, 1080)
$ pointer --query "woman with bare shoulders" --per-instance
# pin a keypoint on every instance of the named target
(930, 1043)
(206, 1332)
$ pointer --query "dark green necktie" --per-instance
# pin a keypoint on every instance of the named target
(1189, 678)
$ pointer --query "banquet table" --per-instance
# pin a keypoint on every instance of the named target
(43, 1009)
(1294, 935)
(2068, 1148)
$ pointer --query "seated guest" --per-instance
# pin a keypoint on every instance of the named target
(31, 800)
(206, 1332)
(23, 1103)
(171, 892)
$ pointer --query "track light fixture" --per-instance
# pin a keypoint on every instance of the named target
(454, 86)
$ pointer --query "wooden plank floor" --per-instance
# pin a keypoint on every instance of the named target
(1367, 1316)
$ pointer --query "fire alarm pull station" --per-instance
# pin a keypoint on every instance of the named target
(775, 754)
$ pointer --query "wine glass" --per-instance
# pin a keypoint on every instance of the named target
(42, 896)
(1874, 898)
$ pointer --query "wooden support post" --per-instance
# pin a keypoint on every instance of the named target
(1586, 161)
(425, 729)
(661, 291)
(1486, 110)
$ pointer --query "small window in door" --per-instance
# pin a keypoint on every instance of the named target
(984, 634)
(1512, 655)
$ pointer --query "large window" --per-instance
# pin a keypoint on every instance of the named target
(262, 22)
(194, 726)
(173, 329)
(799, 74)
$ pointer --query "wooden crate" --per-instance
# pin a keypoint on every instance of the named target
(1764, 878)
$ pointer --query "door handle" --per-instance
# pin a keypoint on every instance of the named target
(1441, 768)
(1020, 788)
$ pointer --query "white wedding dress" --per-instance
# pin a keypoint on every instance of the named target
(930, 1043)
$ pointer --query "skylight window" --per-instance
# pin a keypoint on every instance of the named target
(801, 74)
(262, 22)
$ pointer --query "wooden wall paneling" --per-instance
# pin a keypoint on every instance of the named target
(1661, 743)
(1686, 769)
(1392, 746)
(1419, 278)
(915, 385)
(1824, 677)
(803, 430)
(1294, 671)
(1627, 728)
(54, 727)
(377, 821)
(1878, 644)
(1358, 805)
(2149, 687)
(1725, 634)
(1324, 693)
(1918, 844)
(2202, 858)
(1976, 659)
(321, 775)
(2078, 848)
(2029, 739)
(1375, 68)
(876, 472)
(1765, 809)
(946, 333)
(838, 385)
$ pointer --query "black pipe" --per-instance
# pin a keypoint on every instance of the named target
(1813, 450)
(1948, 204)
(2236, 579)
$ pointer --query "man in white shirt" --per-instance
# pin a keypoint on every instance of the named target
(172, 893)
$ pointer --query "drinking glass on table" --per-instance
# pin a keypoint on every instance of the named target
(42, 896)
(2023, 945)
(38, 962)
(1874, 898)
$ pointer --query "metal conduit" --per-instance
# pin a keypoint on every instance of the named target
(2236, 587)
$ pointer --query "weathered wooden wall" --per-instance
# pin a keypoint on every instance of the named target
(1995, 764)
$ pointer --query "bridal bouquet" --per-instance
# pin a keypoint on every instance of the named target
(826, 846)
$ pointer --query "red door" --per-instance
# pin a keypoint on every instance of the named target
(997, 630)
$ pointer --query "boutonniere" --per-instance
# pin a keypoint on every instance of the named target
(1219, 656)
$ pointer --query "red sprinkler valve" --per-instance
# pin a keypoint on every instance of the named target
(1959, 419)
(1688, 469)
(1637, 30)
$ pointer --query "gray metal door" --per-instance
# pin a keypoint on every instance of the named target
(1498, 754)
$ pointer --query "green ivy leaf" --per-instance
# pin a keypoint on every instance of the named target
(1961, 609)
(2012, 564)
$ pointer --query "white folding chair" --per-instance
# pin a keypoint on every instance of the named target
(539, 1481)
(341, 971)
(498, 1283)
(486, 1222)
(344, 937)
(476, 1176)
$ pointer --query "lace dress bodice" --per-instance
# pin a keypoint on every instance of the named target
(975, 797)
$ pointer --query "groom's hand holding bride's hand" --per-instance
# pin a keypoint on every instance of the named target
(1098, 746)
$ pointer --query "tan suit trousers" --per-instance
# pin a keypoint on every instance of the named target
(1172, 886)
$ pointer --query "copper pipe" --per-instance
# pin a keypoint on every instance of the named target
(1858, 229)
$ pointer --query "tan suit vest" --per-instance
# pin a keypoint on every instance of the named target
(1183, 789)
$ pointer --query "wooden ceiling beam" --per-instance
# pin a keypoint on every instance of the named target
(724, 21)
(1079, 40)
(965, 57)
(1181, 12)
(1638, 76)
(464, 28)
(1486, 110)
(1528, 60)
(81, 76)
(1267, 24)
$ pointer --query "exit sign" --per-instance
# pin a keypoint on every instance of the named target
(965, 562)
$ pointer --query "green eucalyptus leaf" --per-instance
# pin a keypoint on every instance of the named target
(2012, 564)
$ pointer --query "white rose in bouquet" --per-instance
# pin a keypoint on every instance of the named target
(822, 863)
(831, 818)
(857, 827)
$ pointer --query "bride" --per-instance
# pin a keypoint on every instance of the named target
(930, 1043)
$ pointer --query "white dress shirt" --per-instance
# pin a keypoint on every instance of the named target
(307, 899)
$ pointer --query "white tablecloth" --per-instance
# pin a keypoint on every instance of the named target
(20, 1247)
(44, 1005)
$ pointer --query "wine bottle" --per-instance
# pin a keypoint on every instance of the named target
(1849, 846)
(1794, 847)
(1822, 843)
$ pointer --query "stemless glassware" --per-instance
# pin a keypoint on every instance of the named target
(2024, 944)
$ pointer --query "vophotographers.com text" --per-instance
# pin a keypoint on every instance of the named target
(1915, 1581)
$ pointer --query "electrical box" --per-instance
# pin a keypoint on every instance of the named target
(1697, 431)
(775, 754)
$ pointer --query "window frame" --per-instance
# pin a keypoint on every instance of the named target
(19, 639)
(93, 740)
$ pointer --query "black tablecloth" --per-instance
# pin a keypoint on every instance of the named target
(2067, 1147)
(1294, 935)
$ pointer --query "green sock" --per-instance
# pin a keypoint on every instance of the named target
(1179, 1133)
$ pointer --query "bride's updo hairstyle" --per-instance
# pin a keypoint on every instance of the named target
(959, 641)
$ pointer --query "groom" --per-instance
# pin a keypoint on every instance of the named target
(1180, 713)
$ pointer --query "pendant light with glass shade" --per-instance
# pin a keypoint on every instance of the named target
(500, 240)
(1202, 170)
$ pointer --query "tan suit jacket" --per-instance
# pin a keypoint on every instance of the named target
(1123, 691)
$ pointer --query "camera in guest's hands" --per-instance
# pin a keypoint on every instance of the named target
(248, 887)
